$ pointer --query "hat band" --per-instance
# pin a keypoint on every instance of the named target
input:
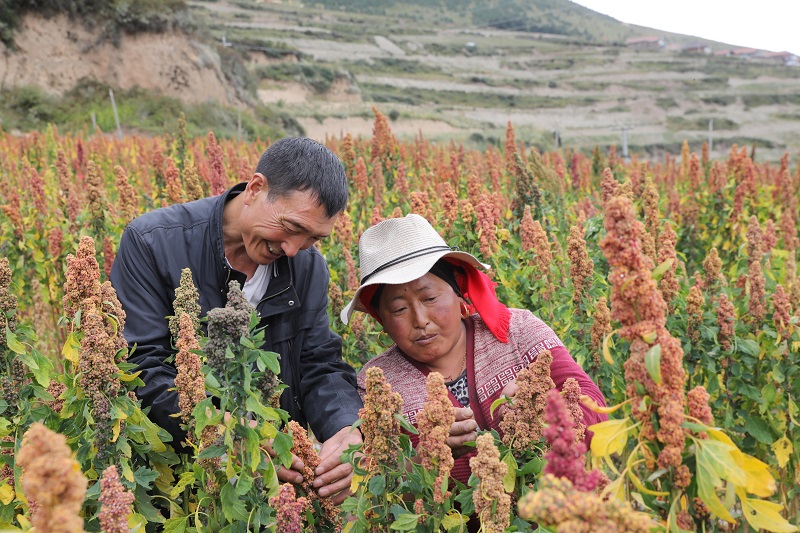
(407, 257)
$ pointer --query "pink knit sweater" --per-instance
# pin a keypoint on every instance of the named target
(490, 367)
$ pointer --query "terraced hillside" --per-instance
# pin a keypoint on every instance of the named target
(446, 77)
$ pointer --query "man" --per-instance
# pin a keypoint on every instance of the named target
(262, 234)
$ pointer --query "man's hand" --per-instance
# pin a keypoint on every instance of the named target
(464, 429)
(332, 476)
(293, 474)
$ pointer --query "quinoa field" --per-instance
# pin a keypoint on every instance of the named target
(673, 282)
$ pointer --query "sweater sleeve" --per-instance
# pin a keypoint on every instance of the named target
(563, 366)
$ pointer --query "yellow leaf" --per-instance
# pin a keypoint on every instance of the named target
(606, 349)
(127, 473)
(6, 494)
(72, 348)
(165, 476)
(759, 481)
(639, 485)
(610, 436)
(616, 489)
(128, 377)
(650, 337)
(765, 515)
(23, 522)
(783, 449)
(356, 482)
(597, 408)
(116, 429)
(136, 522)
(454, 519)
(510, 479)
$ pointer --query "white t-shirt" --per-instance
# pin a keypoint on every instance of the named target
(255, 287)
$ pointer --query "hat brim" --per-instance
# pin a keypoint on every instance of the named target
(403, 273)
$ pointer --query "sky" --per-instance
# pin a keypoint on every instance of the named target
(772, 25)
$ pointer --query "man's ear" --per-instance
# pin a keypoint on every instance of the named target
(257, 184)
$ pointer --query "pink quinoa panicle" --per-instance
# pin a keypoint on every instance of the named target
(434, 422)
(289, 510)
(190, 380)
(379, 423)
(567, 456)
(51, 478)
(303, 448)
(522, 422)
(115, 503)
(492, 504)
(640, 307)
(82, 287)
(581, 267)
(557, 505)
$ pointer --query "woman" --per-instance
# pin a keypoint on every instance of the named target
(442, 313)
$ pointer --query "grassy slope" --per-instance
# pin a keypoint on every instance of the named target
(580, 80)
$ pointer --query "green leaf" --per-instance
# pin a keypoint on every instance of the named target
(176, 525)
(13, 343)
(44, 368)
(282, 444)
(405, 424)
(652, 361)
(497, 403)
(749, 347)
(244, 484)
(759, 429)
(186, 479)
(270, 361)
(144, 476)
(232, 507)
(376, 485)
(212, 451)
(534, 466)
(405, 522)
(660, 269)
(718, 455)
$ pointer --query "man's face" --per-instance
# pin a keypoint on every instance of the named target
(283, 225)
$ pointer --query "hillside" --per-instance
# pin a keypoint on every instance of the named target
(446, 77)
(449, 70)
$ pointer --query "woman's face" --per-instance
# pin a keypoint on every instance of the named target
(423, 317)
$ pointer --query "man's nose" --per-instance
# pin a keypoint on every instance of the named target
(292, 245)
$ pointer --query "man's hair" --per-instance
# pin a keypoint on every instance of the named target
(301, 164)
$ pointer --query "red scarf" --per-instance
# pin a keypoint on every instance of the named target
(477, 289)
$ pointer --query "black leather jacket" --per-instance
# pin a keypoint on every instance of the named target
(154, 249)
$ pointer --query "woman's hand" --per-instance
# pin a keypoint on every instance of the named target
(509, 391)
(463, 430)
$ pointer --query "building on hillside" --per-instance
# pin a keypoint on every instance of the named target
(744, 52)
(696, 49)
(651, 42)
(787, 58)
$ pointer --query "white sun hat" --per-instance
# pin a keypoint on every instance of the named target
(399, 250)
